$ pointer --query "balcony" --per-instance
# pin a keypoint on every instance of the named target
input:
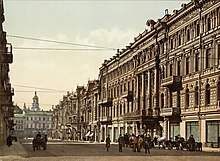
(127, 94)
(170, 111)
(106, 120)
(6, 57)
(105, 101)
(172, 82)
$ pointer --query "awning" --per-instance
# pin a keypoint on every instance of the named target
(88, 133)
(91, 134)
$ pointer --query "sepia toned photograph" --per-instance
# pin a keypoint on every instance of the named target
(109, 80)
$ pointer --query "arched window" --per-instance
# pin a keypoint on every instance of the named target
(196, 96)
(207, 94)
(187, 98)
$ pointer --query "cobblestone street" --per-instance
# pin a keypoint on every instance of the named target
(96, 151)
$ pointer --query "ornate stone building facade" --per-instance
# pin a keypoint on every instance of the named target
(33, 120)
(6, 92)
(167, 81)
(75, 117)
(164, 83)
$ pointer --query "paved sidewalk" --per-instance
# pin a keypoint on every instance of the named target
(15, 150)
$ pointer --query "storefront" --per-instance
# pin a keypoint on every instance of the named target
(174, 130)
(213, 132)
(192, 128)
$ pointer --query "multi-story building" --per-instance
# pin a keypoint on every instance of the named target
(164, 83)
(33, 120)
(6, 92)
(167, 81)
(20, 125)
(75, 117)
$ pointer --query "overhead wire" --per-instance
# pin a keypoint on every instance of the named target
(58, 49)
(48, 89)
(60, 42)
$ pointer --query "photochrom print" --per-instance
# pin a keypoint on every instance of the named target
(109, 80)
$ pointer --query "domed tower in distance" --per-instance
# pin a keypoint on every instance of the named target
(35, 104)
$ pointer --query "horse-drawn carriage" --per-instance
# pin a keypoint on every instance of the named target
(179, 144)
(38, 143)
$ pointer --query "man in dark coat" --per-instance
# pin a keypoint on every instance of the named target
(147, 142)
(9, 141)
(108, 141)
(120, 142)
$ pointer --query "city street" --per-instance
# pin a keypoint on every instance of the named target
(58, 150)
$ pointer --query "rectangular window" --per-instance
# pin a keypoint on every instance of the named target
(196, 62)
(171, 69)
(171, 44)
(178, 68)
(188, 35)
(192, 128)
(208, 24)
(208, 58)
(218, 54)
(213, 131)
(187, 65)
(198, 29)
(180, 42)
(174, 130)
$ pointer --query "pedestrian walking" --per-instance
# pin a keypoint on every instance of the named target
(147, 141)
(139, 143)
(191, 142)
(108, 141)
(9, 141)
(120, 142)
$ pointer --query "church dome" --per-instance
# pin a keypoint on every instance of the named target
(35, 96)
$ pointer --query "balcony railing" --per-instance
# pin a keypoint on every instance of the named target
(170, 111)
(127, 94)
(105, 101)
(106, 120)
(171, 81)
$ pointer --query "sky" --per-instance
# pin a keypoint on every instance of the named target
(102, 23)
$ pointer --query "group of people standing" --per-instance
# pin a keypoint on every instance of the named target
(135, 142)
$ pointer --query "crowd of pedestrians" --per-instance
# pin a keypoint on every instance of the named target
(135, 142)
(145, 142)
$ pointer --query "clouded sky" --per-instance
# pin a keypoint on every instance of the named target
(112, 24)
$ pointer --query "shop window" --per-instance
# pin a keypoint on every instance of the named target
(174, 130)
(192, 128)
(213, 131)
